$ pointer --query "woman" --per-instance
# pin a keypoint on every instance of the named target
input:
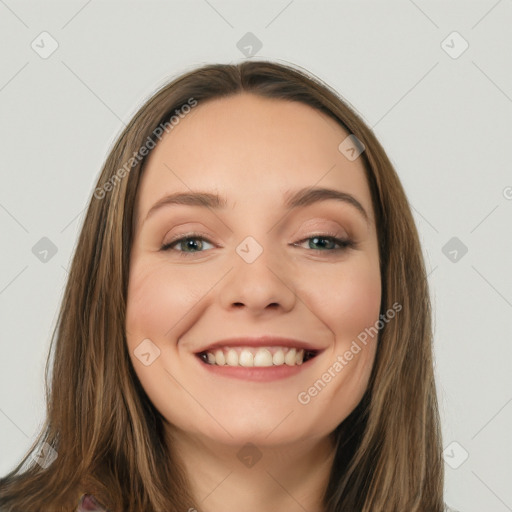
(247, 323)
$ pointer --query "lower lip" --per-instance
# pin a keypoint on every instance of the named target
(256, 374)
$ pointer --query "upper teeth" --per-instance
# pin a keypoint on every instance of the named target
(264, 356)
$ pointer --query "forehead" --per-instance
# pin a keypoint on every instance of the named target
(251, 150)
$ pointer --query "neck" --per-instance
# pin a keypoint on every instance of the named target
(245, 477)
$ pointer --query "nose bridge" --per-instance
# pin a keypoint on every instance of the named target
(258, 277)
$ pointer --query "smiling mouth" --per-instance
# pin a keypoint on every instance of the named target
(257, 357)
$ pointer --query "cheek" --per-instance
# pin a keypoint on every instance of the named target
(158, 300)
(348, 299)
(350, 309)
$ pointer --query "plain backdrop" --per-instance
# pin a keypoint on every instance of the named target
(433, 80)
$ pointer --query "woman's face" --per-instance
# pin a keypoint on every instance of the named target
(256, 264)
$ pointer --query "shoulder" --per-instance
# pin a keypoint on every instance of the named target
(448, 509)
(88, 503)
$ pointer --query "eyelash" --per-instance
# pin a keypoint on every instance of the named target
(344, 243)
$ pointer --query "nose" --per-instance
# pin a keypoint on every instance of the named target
(261, 285)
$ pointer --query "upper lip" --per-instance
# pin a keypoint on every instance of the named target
(260, 341)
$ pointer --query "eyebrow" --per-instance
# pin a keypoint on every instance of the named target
(298, 199)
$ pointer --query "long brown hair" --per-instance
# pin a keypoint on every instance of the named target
(108, 435)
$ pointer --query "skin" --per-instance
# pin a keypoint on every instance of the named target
(251, 151)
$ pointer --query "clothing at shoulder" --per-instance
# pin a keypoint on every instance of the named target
(88, 503)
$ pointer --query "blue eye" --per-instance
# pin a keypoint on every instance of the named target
(194, 243)
(331, 241)
(186, 243)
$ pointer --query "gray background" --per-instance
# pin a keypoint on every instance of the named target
(443, 118)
